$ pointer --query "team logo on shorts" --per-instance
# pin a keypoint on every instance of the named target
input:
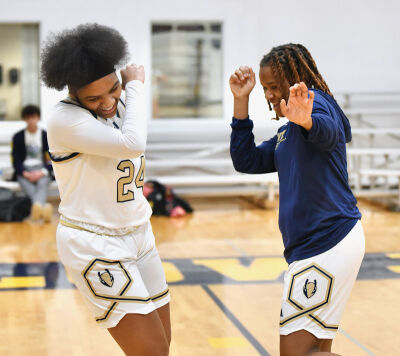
(310, 288)
(106, 278)
(303, 286)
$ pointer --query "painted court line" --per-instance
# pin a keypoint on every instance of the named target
(250, 338)
(237, 248)
(359, 344)
(228, 342)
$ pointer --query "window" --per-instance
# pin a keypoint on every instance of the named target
(187, 70)
(19, 68)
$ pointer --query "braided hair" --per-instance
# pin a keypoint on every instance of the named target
(292, 63)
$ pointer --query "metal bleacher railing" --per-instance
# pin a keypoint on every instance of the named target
(374, 153)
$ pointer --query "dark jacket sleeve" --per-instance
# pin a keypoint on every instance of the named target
(45, 151)
(246, 156)
(325, 130)
(18, 152)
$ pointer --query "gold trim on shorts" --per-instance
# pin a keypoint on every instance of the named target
(121, 297)
(307, 312)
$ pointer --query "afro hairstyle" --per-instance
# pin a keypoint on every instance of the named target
(79, 56)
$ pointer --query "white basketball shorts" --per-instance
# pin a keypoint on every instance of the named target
(316, 289)
(116, 275)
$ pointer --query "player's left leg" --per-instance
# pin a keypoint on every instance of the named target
(303, 343)
(326, 345)
(315, 293)
(141, 335)
(153, 275)
(164, 314)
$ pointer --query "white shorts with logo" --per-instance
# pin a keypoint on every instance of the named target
(316, 289)
(116, 275)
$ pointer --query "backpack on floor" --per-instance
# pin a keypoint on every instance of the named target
(13, 207)
(163, 199)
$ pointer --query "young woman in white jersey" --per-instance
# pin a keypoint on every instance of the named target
(97, 144)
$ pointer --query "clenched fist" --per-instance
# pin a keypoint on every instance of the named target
(242, 82)
(132, 72)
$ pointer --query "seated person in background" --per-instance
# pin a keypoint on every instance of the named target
(32, 164)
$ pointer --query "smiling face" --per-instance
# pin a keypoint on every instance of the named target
(100, 96)
(272, 89)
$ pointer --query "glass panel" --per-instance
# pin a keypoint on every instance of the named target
(19, 68)
(187, 70)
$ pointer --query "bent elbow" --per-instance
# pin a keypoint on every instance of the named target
(141, 146)
(136, 148)
(239, 167)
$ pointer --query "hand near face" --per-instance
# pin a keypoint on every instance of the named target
(132, 72)
(299, 106)
(242, 82)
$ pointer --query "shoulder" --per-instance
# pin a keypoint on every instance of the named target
(66, 114)
(319, 98)
(66, 107)
(324, 102)
(19, 135)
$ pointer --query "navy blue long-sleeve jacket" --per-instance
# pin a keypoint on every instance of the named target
(316, 206)
(18, 153)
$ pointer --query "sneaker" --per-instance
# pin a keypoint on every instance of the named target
(47, 212)
(36, 212)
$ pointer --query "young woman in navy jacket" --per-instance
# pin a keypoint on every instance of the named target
(318, 216)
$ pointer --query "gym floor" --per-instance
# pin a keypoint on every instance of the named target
(224, 266)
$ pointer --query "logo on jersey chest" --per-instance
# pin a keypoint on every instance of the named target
(106, 278)
(310, 288)
(281, 138)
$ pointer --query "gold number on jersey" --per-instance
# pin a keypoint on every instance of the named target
(124, 166)
(139, 181)
(128, 167)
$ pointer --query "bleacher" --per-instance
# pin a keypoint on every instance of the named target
(194, 158)
(191, 168)
(374, 153)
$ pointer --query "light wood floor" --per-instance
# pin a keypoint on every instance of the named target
(233, 309)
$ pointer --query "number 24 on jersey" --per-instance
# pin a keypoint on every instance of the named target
(128, 167)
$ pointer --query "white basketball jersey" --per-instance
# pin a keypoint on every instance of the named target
(99, 164)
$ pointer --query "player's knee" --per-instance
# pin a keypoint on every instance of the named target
(298, 350)
(169, 340)
(295, 352)
(288, 352)
(162, 349)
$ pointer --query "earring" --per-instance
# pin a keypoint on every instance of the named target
(269, 106)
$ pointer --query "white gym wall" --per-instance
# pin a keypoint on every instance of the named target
(354, 42)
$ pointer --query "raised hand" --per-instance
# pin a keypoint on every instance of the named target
(242, 82)
(132, 72)
(299, 106)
